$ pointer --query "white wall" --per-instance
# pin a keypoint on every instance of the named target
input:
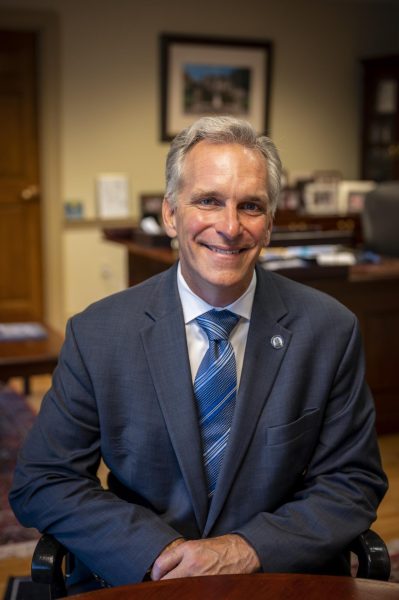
(109, 96)
(92, 269)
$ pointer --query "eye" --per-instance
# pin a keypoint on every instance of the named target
(252, 207)
(207, 201)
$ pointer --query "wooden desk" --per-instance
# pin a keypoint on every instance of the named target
(261, 586)
(24, 358)
(370, 291)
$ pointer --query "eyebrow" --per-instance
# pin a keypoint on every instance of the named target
(199, 194)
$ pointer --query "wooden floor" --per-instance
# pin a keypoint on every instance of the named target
(387, 524)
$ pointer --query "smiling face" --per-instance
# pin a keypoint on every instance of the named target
(221, 219)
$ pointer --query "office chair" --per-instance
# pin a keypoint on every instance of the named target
(380, 219)
(47, 562)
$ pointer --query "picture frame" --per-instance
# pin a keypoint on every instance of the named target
(351, 195)
(212, 76)
(320, 198)
(151, 205)
(112, 195)
(289, 199)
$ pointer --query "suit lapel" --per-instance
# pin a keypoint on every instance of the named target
(261, 364)
(165, 346)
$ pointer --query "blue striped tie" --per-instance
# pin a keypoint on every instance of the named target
(215, 389)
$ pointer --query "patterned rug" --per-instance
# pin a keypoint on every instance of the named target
(393, 549)
(16, 418)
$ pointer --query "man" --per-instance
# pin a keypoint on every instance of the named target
(296, 475)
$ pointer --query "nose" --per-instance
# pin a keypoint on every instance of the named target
(229, 223)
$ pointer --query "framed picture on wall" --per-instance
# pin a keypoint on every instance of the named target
(213, 76)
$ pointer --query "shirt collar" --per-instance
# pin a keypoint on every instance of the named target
(193, 305)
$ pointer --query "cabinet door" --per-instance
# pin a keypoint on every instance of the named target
(380, 160)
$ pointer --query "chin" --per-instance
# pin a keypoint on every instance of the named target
(229, 282)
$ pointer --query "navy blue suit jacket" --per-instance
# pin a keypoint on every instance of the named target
(301, 475)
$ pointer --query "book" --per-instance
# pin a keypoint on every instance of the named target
(21, 331)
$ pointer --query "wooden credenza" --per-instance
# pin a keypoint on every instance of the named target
(370, 291)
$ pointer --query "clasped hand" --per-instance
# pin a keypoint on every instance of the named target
(227, 554)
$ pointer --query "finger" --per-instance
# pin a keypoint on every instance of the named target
(165, 562)
(175, 573)
(188, 564)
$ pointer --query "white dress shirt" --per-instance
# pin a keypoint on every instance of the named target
(197, 340)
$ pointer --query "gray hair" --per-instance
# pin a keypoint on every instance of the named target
(221, 130)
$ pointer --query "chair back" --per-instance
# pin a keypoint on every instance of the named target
(380, 219)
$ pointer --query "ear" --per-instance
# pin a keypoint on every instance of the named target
(168, 217)
(268, 233)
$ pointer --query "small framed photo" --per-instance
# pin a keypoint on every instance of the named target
(213, 76)
(112, 195)
(351, 195)
(151, 206)
(320, 198)
(289, 199)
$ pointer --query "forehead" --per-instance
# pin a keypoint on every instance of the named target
(208, 160)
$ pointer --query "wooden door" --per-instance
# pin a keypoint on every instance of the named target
(20, 236)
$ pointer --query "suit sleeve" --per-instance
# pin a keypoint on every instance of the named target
(56, 488)
(338, 495)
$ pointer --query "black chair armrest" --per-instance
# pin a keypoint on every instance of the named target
(47, 565)
(373, 556)
(370, 549)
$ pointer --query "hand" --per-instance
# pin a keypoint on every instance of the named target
(227, 554)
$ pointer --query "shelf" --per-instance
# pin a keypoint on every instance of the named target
(99, 223)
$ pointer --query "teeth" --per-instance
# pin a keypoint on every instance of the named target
(220, 251)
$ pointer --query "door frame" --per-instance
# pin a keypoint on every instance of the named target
(46, 25)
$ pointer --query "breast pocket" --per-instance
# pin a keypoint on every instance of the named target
(288, 451)
(293, 432)
(289, 447)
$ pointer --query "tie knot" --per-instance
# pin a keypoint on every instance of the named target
(218, 324)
